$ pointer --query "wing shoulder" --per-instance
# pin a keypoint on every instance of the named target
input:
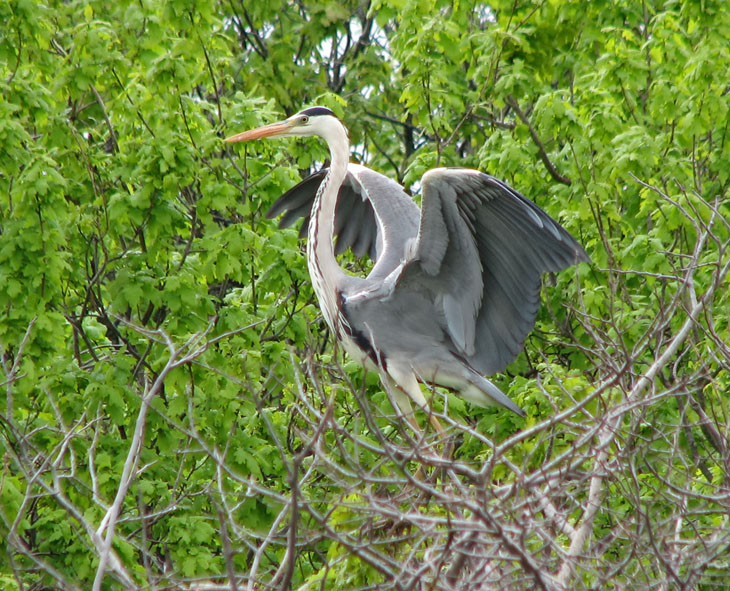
(373, 216)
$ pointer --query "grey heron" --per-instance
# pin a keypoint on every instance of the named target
(455, 286)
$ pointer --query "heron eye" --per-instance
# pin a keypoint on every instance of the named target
(304, 119)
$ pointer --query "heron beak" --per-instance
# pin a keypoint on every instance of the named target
(271, 130)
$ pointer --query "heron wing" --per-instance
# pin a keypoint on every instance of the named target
(373, 215)
(297, 202)
(481, 250)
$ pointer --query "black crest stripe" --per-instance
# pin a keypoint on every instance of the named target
(315, 111)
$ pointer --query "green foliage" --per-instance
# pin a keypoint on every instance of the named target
(132, 238)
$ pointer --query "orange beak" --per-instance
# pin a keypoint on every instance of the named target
(271, 130)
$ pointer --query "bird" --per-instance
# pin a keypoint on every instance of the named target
(455, 284)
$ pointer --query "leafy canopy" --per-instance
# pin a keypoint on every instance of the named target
(174, 409)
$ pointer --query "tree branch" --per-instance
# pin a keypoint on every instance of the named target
(535, 138)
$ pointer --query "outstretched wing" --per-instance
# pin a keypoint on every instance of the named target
(373, 215)
(297, 202)
(481, 250)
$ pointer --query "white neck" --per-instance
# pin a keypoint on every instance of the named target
(327, 275)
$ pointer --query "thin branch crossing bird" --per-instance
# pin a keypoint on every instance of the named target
(455, 286)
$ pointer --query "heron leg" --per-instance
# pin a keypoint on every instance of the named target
(401, 402)
(407, 387)
(403, 387)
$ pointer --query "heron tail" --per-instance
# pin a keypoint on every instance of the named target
(482, 392)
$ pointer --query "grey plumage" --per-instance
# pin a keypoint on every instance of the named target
(500, 239)
(455, 287)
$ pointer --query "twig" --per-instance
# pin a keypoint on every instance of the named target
(609, 429)
(108, 523)
(12, 374)
(536, 138)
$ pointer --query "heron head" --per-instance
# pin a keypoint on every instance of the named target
(311, 121)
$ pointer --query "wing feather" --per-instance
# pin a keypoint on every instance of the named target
(299, 196)
(351, 220)
(482, 248)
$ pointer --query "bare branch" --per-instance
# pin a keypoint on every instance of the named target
(535, 138)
